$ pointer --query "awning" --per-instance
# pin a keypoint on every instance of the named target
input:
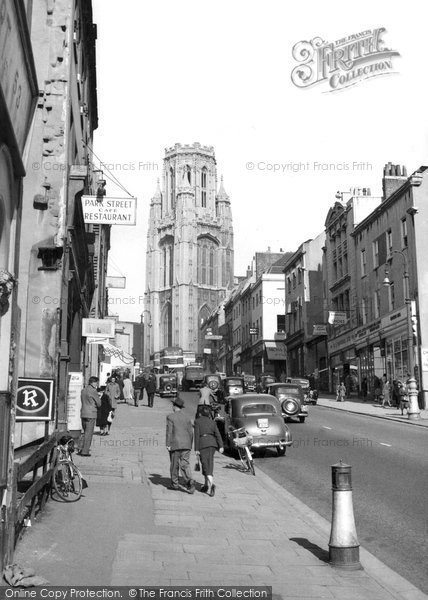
(276, 350)
(111, 350)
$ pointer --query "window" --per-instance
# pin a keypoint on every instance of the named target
(207, 261)
(375, 254)
(280, 323)
(294, 281)
(204, 187)
(363, 263)
(288, 285)
(391, 296)
(404, 233)
(299, 276)
(334, 271)
(171, 188)
(389, 242)
(364, 310)
(376, 304)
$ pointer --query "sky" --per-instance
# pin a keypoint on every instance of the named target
(219, 73)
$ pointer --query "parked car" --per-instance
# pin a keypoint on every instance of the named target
(233, 385)
(193, 377)
(263, 382)
(213, 381)
(311, 396)
(168, 385)
(292, 400)
(261, 416)
(250, 383)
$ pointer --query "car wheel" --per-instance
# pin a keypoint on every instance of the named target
(281, 451)
(302, 419)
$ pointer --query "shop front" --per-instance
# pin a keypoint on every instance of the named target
(369, 346)
(343, 362)
(396, 345)
(276, 353)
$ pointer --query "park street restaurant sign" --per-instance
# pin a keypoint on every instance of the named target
(34, 399)
(109, 211)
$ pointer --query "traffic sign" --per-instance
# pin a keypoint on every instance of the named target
(34, 399)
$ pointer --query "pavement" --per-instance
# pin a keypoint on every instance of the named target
(372, 409)
(130, 529)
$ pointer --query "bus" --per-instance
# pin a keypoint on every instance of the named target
(172, 361)
(171, 358)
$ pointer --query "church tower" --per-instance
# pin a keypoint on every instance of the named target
(189, 258)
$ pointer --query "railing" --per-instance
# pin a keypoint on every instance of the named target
(32, 473)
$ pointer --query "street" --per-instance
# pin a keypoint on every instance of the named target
(389, 466)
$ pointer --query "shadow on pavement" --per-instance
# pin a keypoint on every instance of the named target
(313, 548)
(157, 479)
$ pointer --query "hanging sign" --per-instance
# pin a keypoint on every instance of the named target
(109, 211)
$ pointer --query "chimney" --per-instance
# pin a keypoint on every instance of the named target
(268, 249)
(393, 177)
(249, 272)
(281, 250)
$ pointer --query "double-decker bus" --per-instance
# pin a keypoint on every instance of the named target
(171, 358)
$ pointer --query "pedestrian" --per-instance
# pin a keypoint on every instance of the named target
(151, 389)
(119, 382)
(113, 392)
(90, 401)
(364, 388)
(179, 437)
(103, 413)
(206, 398)
(404, 396)
(207, 441)
(128, 390)
(138, 389)
(348, 385)
(377, 384)
(386, 394)
(341, 392)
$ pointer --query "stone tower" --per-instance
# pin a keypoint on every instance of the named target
(189, 257)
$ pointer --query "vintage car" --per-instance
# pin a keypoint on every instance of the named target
(261, 416)
(311, 395)
(193, 377)
(213, 381)
(263, 382)
(292, 400)
(233, 385)
(168, 385)
(250, 383)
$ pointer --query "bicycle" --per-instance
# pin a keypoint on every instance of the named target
(242, 441)
(66, 477)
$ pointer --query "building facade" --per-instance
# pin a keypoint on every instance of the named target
(189, 258)
(306, 341)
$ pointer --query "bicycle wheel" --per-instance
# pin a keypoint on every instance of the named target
(242, 456)
(67, 481)
(250, 461)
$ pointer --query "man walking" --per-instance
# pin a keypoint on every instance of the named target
(151, 389)
(88, 413)
(179, 437)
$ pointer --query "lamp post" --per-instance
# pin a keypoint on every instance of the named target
(146, 335)
(413, 411)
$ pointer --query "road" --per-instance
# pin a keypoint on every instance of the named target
(389, 475)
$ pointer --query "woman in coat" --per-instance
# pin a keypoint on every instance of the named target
(103, 413)
(128, 390)
(113, 392)
(207, 441)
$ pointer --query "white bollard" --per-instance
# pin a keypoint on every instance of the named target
(343, 544)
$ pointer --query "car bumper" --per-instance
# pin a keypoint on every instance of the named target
(261, 443)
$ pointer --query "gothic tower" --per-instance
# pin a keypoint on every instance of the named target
(189, 257)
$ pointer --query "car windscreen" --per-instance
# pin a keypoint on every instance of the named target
(288, 390)
(258, 409)
(234, 382)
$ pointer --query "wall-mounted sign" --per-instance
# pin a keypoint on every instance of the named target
(115, 282)
(337, 318)
(74, 402)
(109, 211)
(424, 358)
(214, 338)
(34, 399)
(254, 331)
(98, 328)
(320, 329)
(207, 350)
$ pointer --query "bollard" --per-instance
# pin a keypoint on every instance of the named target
(413, 411)
(344, 547)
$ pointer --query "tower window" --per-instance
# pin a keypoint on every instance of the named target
(171, 188)
(204, 187)
(207, 262)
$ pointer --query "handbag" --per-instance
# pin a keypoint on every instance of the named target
(110, 417)
(197, 465)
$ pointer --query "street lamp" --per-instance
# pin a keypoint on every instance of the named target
(413, 411)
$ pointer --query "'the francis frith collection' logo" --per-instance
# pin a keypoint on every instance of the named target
(342, 63)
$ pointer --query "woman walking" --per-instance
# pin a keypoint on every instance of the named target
(207, 441)
(128, 390)
(386, 393)
(103, 413)
(341, 392)
(113, 392)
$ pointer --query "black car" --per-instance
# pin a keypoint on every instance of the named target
(292, 400)
(263, 383)
(233, 385)
(167, 386)
(311, 395)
